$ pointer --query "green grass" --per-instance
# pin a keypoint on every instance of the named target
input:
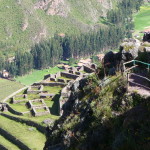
(40, 110)
(20, 107)
(36, 76)
(33, 139)
(38, 120)
(8, 87)
(142, 19)
(37, 103)
(53, 90)
(65, 78)
(49, 102)
(33, 96)
(20, 98)
(14, 15)
(7, 144)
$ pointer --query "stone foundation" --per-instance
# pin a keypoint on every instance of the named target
(69, 75)
(24, 98)
(36, 113)
(31, 91)
(46, 95)
(31, 103)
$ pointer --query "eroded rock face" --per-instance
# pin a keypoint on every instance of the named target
(106, 3)
(53, 7)
(129, 49)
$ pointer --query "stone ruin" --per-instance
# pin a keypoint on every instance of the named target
(72, 73)
(3, 107)
(35, 89)
(23, 98)
(31, 103)
(66, 94)
(46, 95)
(56, 77)
(38, 106)
(45, 111)
(88, 68)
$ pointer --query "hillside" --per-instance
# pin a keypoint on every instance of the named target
(142, 19)
(107, 118)
(24, 22)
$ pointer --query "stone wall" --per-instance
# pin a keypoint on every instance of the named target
(47, 76)
(24, 98)
(58, 75)
(88, 69)
(39, 127)
(61, 80)
(46, 95)
(45, 111)
(66, 94)
(20, 90)
(31, 103)
(53, 79)
(31, 91)
(51, 84)
(13, 140)
(69, 75)
(14, 111)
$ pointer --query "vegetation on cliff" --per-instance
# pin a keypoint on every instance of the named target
(107, 118)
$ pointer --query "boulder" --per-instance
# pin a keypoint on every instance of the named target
(129, 49)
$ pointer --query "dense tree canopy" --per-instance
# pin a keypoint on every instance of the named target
(49, 53)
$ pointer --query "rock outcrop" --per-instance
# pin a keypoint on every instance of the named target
(53, 7)
(129, 49)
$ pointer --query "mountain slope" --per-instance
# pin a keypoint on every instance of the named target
(24, 22)
(105, 118)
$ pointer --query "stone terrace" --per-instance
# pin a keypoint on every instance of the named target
(39, 95)
(35, 89)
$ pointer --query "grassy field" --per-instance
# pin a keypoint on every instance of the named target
(32, 138)
(8, 87)
(52, 90)
(142, 19)
(7, 144)
(36, 76)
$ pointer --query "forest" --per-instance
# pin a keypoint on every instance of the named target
(119, 24)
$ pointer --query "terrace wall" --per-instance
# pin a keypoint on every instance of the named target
(13, 111)
(36, 114)
(40, 128)
(47, 76)
(51, 84)
(30, 91)
(69, 75)
(20, 90)
(3, 147)
(88, 69)
(13, 140)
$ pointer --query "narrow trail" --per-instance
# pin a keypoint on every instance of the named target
(139, 84)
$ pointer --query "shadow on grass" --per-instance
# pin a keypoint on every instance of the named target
(55, 108)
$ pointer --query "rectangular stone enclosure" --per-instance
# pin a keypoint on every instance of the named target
(35, 89)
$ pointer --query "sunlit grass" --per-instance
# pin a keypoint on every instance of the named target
(142, 19)
(36, 76)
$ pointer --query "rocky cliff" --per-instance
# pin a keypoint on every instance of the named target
(105, 119)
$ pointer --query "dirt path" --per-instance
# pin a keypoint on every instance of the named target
(138, 84)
